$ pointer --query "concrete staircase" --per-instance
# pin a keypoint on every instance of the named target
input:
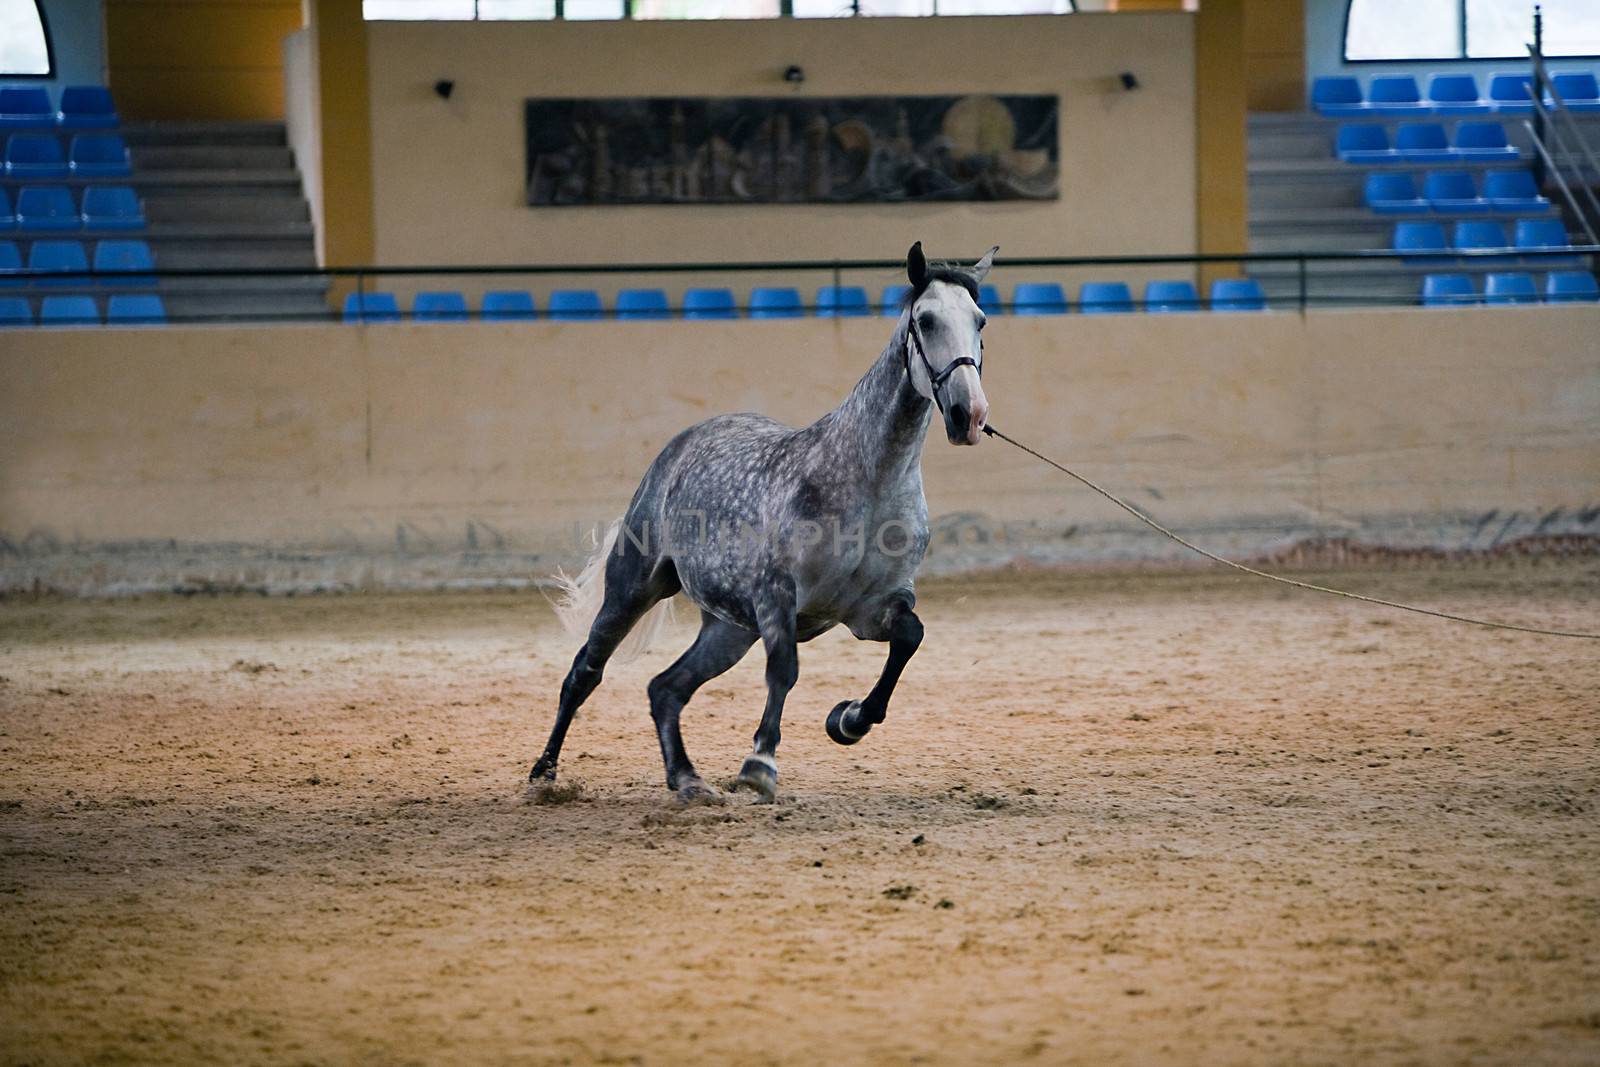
(226, 195)
(1303, 198)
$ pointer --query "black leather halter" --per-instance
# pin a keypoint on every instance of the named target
(936, 378)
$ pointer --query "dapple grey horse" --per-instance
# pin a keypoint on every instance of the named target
(781, 534)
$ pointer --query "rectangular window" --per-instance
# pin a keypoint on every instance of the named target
(22, 44)
(1499, 29)
(705, 9)
(1416, 29)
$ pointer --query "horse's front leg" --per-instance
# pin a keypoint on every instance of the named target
(850, 720)
(775, 615)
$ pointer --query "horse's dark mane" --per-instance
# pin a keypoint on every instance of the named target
(942, 272)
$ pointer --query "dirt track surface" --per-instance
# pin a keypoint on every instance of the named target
(1141, 820)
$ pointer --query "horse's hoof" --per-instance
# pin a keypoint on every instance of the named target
(543, 771)
(847, 733)
(696, 791)
(760, 774)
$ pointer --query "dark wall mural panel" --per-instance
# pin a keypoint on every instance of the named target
(778, 150)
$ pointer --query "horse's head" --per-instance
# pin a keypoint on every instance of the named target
(944, 341)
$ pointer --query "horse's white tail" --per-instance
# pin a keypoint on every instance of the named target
(579, 599)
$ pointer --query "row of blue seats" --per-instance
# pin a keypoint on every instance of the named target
(1448, 94)
(1529, 235)
(124, 309)
(1454, 192)
(83, 107)
(65, 259)
(45, 208)
(1425, 142)
(89, 155)
(1560, 287)
(769, 302)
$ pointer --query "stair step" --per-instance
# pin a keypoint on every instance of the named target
(214, 157)
(152, 134)
(202, 208)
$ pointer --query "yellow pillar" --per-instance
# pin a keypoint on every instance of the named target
(345, 130)
(1275, 54)
(1220, 133)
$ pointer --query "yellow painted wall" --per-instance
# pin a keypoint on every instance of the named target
(1275, 54)
(1380, 424)
(198, 59)
(448, 176)
(1221, 165)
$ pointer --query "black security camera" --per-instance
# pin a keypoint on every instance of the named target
(444, 87)
(1128, 80)
(793, 73)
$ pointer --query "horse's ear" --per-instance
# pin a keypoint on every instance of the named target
(917, 266)
(980, 269)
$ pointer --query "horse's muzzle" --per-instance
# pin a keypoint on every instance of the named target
(966, 409)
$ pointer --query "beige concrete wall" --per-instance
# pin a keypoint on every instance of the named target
(424, 453)
(448, 175)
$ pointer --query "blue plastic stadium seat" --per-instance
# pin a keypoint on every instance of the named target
(1511, 94)
(8, 217)
(126, 258)
(1515, 288)
(10, 259)
(14, 311)
(1533, 234)
(25, 107)
(989, 301)
(1419, 237)
(1101, 298)
(889, 302)
(439, 307)
(709, 304)
(1171, 296)
(1038, 298)
(1448, 290)
(1395, 94)
(1422, 142)
(112, 207)
(1579, 90)
(1478, 236)
(1456, 94)
(1337, 96)
(1513, 190)
(775, 302)
(1570, 286)
(574, 305)
(1483, 142)
(46, 208)
(35, 155)
(642, 304)
(100, 155)
(66, 261)
(507, 305)
(843, 301)
(69, 311)
(1237, 294)
(371, 307)
(1363, 144)
(1452, 192)
(1390, 193)
(135, 309)
(87, 107)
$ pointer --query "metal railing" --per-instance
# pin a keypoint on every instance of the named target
(1558, 132)
(1293, 280)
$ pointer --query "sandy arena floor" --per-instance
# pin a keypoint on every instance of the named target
(1140, 820)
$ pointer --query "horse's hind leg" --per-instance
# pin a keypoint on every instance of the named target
(718, 647)
(634, 585)
(775, 614)
(850, 720)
